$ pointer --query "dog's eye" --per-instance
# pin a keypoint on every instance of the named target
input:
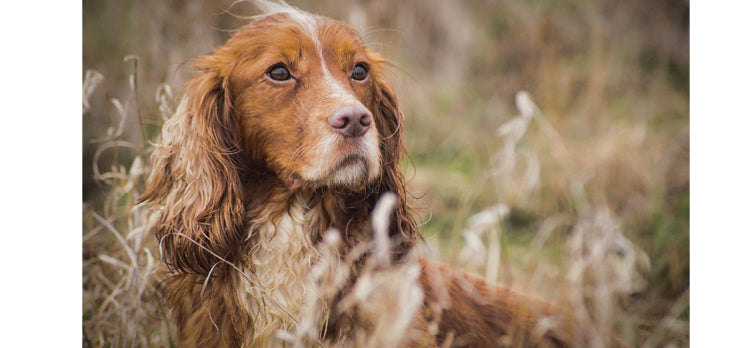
(359, 73)
(279, 73)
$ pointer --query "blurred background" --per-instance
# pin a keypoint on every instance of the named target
(581, 195)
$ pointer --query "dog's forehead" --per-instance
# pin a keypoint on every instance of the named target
(297, 29)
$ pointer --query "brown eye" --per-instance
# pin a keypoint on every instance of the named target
(359, 73)
(279, 73)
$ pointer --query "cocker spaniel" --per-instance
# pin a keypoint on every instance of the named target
(274, 162)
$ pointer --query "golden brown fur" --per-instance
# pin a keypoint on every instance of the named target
(251, 173)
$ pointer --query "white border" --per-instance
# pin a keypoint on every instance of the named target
(40, 138)
(722, 173)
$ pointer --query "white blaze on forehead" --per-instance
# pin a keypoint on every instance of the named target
(337, 90)
(307, 21)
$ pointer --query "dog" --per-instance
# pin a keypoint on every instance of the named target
(280, 150)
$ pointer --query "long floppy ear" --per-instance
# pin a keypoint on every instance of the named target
(390, 124)
(195, 178)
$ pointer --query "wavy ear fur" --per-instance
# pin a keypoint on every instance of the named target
(195, 178)
(390, 125)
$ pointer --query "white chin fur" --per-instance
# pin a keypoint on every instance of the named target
(354, 173)
(362, 167)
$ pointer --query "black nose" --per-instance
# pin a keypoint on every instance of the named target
(350, 120)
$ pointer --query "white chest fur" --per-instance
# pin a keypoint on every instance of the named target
(283, 297)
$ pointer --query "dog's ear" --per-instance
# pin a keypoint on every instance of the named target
(389, 121)
(195, 179)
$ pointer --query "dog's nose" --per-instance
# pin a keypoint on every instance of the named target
(350, 120)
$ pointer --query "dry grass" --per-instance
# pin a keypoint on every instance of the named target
(582, 198)
(122, 306)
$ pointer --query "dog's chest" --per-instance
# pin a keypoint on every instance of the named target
(284, 299)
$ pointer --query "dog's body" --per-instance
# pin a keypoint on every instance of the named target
(292, 132)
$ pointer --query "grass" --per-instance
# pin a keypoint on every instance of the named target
(581, 195)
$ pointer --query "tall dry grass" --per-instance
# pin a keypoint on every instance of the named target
(582, 197)
(122, 306)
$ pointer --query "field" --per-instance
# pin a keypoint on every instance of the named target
(549, 145)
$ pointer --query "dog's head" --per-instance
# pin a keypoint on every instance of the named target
(309, 100)
(293, 96)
